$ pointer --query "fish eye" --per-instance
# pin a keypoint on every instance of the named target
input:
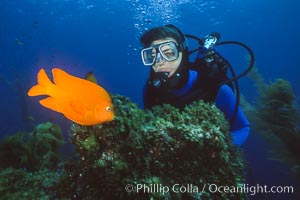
(108, 108)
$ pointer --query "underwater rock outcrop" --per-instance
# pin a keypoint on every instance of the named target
(19, 184)
(159, 147)
(184, 150)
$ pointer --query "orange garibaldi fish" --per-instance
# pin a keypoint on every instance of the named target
(79, 100)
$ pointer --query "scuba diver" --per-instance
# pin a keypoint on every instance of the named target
(175, 80)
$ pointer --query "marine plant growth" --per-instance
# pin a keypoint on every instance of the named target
(163, 146)
(33, 150)
(29, 163)
(276, 116)
(159, 147)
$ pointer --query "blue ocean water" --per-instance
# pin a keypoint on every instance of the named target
(103, 36)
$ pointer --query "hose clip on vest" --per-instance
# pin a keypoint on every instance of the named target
(159, 78)
(209, 56)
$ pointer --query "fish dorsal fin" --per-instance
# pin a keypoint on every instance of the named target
(61, 77)
(90, 76)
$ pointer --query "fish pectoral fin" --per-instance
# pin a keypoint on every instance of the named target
(51, 104)
(77, 107)
(76, 113)
(74, 117)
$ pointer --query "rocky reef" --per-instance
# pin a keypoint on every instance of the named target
(20, 184)
(32, 150)
(136, 156)
(159, 147)
(29, 163)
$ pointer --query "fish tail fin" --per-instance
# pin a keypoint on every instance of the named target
(44, 86)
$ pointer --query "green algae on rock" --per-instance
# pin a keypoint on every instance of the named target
(32, 150)
(164, 146)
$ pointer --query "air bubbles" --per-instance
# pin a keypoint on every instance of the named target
(154, 12)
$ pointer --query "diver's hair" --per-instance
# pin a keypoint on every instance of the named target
(162, 32)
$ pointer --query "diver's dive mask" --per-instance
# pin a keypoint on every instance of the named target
(167, 50)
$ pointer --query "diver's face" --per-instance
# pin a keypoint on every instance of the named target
(161, 64)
